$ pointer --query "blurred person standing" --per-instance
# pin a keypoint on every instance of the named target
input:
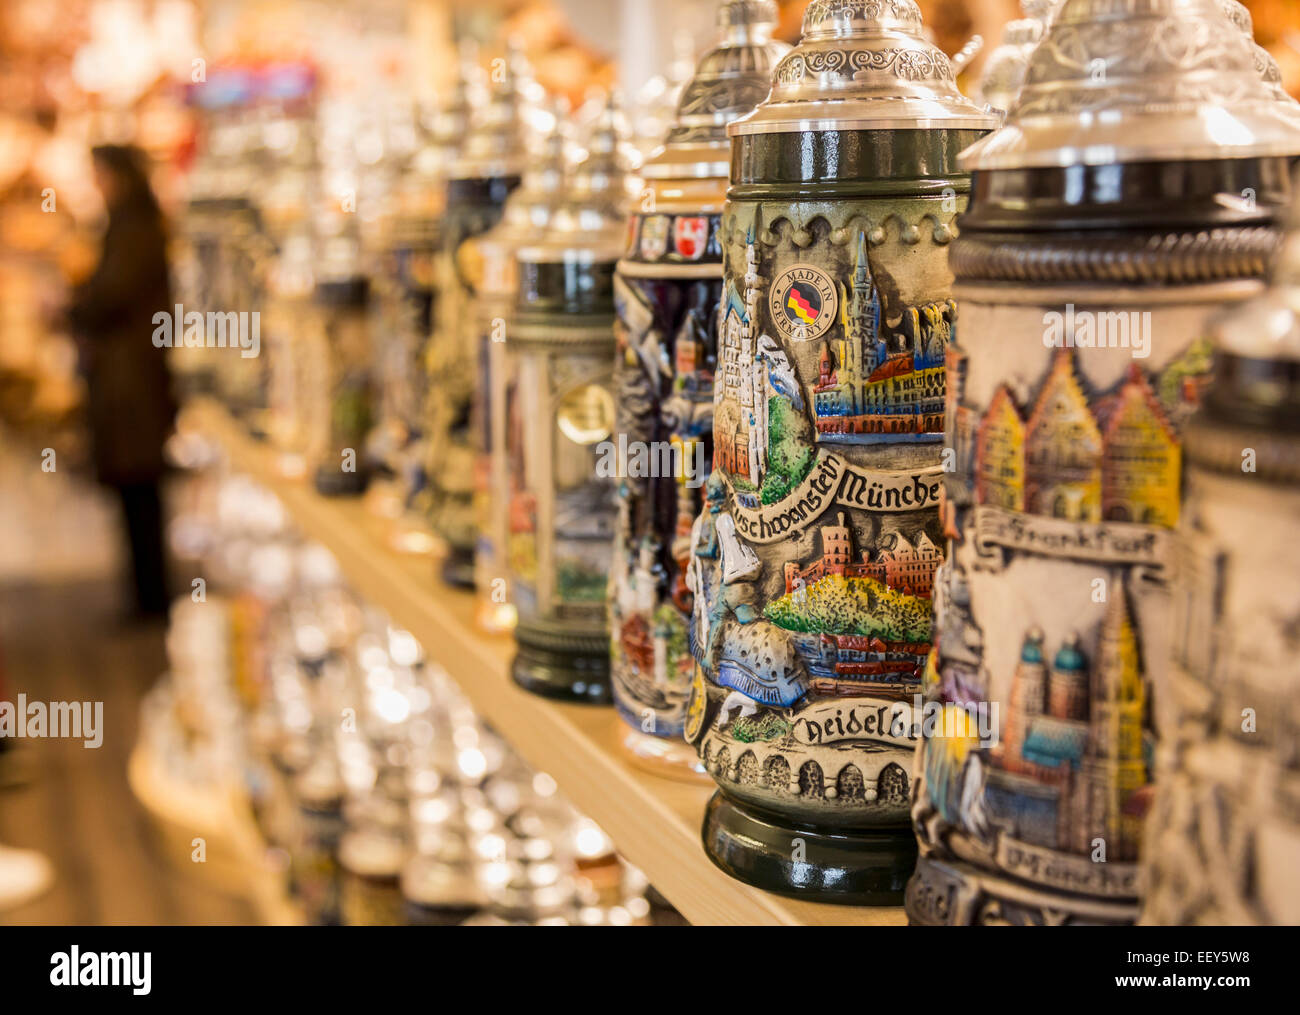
(131, 407)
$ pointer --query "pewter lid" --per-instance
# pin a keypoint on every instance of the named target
(530, 206)
(590, 221)
(863, 65)
(1118, 81)
(373, 853)
(495, 145)
(729, 81)
(1239, 15)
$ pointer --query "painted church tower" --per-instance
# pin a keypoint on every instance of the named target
(754, 393)
(865, 345)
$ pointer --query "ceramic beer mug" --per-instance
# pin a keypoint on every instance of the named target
(487, 169)
(344, 372)
(1224, 832)
(668, 287)
(812, 560)
(1092, 253)
(490, 268)
(559, 408)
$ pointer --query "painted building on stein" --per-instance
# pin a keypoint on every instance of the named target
(906, 567)
(740, 439)
(1116, 458)
(864, 388)
(777, 763)
(1072, 754)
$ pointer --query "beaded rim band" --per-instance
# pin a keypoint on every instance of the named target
(1171, 257)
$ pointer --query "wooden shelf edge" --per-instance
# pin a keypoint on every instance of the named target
(219, 816)
(655, 822)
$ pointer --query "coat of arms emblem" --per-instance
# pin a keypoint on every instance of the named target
(654, 237)
(691, 236)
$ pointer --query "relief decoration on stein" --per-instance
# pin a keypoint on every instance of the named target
(812, 574)
(1052, 469)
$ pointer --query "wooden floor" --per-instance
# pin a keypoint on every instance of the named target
(62, 639)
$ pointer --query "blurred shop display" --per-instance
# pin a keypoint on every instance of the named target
(714, 386)
(364, 769)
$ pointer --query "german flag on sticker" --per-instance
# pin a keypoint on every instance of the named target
(803, 302)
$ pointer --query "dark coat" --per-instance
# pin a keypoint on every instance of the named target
(131, 407)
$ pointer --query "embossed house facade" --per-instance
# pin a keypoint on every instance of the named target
(907, 566)
(1116, 458)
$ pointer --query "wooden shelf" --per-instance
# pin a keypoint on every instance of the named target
(236, 856)
(655, 822)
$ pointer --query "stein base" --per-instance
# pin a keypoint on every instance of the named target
(458, 568)
(438, 916)
(333, 483)
(567, 677)
(495, 618)
(670, 759)
(863, 867)
(947, 892)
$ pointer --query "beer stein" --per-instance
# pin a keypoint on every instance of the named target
(1223, 839)
(559, 413)
(813, 558)
(490, 266)
(482, 177)
(668, 287)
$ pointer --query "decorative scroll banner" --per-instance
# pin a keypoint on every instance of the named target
(1143, 546)
(832, 481)
(1065, 872)
(890, 722)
